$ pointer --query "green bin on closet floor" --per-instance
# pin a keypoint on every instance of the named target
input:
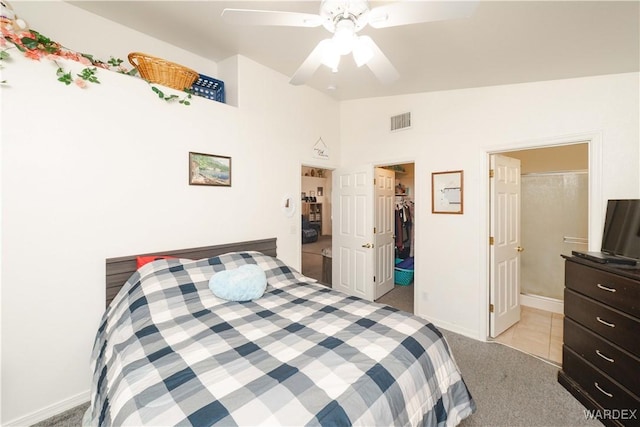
(402, 276)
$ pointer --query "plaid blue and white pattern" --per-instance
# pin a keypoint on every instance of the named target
(169, 352)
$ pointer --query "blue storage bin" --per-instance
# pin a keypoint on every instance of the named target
(209, 88)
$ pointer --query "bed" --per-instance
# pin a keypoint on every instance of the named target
(170, 352)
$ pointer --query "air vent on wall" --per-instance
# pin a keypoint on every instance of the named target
(401, 122)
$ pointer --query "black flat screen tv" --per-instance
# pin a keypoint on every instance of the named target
(621, 236)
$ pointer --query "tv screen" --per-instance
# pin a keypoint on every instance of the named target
(621, 235)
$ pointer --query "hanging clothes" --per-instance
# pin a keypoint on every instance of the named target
(403, 229)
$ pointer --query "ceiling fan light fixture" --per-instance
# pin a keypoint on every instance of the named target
(362, 51)
(330, 56)
(344, 19)
(344, 37)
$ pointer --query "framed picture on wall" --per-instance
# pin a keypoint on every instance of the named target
(209, 169)
(447, 192)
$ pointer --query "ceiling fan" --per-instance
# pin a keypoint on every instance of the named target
(344, 19)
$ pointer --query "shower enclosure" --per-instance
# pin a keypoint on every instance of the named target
(554, 221)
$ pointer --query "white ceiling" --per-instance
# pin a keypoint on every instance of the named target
(503, 42)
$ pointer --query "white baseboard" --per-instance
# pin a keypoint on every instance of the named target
(50, 411)
(451, 327)
(542, 303)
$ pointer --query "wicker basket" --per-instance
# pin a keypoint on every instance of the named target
(158, 70)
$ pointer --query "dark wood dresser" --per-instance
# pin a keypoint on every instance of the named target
(601, 351)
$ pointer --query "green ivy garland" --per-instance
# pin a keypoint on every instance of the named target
(35, 46)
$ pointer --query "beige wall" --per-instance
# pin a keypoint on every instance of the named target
(572, 157)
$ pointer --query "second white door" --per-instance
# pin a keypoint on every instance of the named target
(352, 240)
(384, 232)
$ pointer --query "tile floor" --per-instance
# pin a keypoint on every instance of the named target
(538, 332)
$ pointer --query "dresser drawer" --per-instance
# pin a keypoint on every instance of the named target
(609, 358)
(611, 324)
(606, 392)
(611, 289)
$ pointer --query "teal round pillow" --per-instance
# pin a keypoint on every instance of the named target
(245, 283)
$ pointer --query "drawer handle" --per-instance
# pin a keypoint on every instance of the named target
(604, 322)
(605, 288)
(602, 391)
(608, 359)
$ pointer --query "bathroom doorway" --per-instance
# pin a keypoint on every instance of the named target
(554, 221)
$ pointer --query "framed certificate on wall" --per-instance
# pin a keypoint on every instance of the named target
(447, 192)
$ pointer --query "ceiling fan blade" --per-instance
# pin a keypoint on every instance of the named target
(311, 64)
(271, 17)
(414, 12)
(379, 64)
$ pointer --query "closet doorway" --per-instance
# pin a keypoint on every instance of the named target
(316, 226)
(554, 220)
(397, 214)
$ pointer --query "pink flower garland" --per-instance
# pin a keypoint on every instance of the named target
(49, 50)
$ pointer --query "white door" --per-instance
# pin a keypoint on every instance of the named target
(384, 231)
(352, 239)
(504, 244)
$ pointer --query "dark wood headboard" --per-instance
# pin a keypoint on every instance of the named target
(118, 270)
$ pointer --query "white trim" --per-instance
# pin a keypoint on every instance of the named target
(454, 327)
(542, 303)
(596, 204)
(483, 251)
(594, 140)
(50, 411)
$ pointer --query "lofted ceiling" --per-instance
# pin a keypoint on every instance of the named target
(503, 42)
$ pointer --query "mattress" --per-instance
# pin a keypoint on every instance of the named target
(169, 352)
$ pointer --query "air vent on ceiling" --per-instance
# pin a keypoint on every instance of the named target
(401, 122)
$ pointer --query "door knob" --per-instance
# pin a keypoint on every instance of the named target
(368, 245)
(519, 249)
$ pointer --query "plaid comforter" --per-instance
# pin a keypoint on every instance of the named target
(169, 352)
